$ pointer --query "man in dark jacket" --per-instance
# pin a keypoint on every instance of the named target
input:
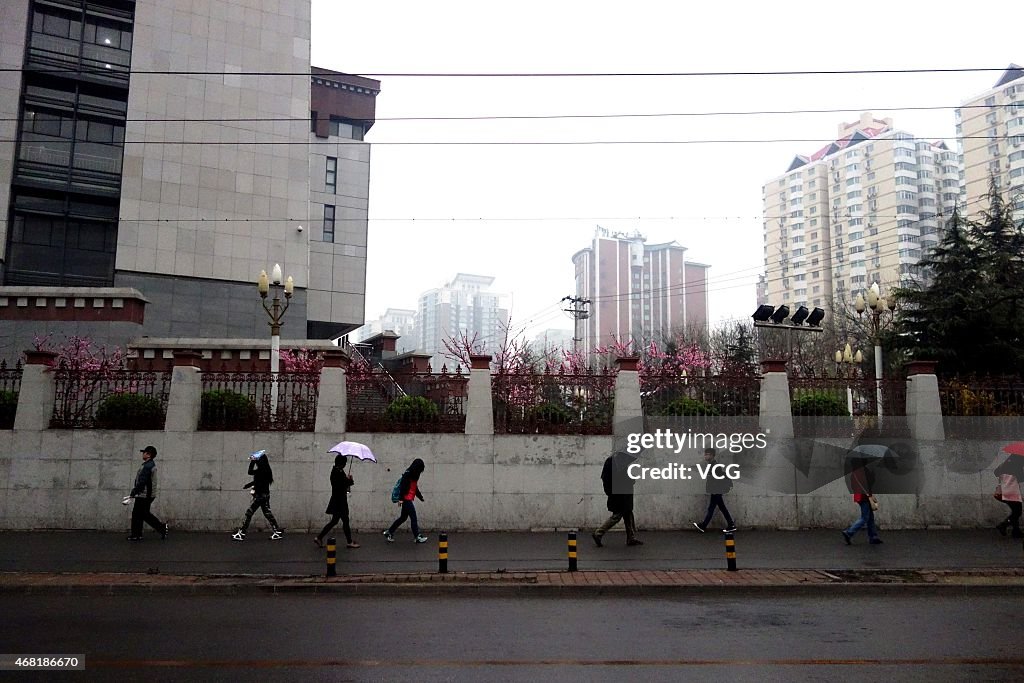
(716, 489)
(618, 486)
(144, 492)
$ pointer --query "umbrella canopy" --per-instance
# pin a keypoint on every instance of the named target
(256, 455)
(870, 450)
(354, 449)
(1015, 448)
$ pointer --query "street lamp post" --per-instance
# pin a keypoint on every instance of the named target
(276, 312)
(878, 306)
(849, 358)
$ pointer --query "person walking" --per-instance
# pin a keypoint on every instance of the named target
(341, 482)
(618, 486)
(1010, 473)
(262, 478)
(862, 481)
(408, 491)
(716, 490)
(144, 493)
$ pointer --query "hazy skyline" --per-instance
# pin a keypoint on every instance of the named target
(519, 211)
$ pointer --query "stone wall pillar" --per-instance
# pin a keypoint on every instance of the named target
(332, 400)
(186, 396)
(924, 409)
(628, 407)
(479, 403)
(38, 388)
(776, 412)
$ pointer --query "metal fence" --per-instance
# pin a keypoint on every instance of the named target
(244, 401)
(407, 402)
(982, 407)
(10, 387)
(109, 399)
(842, 406)
(708, 396)
(549, 403)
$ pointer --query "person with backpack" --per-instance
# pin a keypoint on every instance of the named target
(262, 478)
(405, 491)
(716, 489)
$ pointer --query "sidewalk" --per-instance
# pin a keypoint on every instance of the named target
(215, 554)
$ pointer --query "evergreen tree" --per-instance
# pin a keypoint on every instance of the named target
(970, 316)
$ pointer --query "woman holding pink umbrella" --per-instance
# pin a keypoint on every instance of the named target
(1010, 474)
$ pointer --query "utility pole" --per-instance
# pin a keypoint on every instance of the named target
(578, 310)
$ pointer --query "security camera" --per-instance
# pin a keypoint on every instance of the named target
(300, 228)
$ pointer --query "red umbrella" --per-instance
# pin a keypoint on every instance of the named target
(1015, 448)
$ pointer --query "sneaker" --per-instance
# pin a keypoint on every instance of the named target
(277, 535)
(699, 527)
(875, 541)
(238, 535)
(597, 540)
(389, 537)
(163, 532)
(731, 529)
(352, 546)
(847, 538)
(421, 539)
(634, 541)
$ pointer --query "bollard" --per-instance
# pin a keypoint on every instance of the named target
(572, 551)
(442, 553)
(730, 551)
(331, 554)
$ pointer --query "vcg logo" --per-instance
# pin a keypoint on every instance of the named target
(718, 471)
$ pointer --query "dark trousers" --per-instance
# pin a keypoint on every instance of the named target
(140, 514)
(408, 512)
(260, 502)
(1013, 520)
(717, 501)
(342, 515)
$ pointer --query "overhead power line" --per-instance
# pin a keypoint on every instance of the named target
(530, 74)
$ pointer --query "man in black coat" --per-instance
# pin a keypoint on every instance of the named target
(618, 486)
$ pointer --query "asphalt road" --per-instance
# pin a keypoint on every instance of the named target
(278, 638)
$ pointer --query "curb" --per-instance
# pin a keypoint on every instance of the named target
(526, 584)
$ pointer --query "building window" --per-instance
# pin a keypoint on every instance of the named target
(331, 180)
(328, 223)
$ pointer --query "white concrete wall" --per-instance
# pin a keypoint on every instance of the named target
(65, 479)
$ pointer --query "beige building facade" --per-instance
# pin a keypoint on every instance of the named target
(990, 130)
(860, 210)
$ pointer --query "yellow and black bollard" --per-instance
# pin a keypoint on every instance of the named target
(331, 557)
(442, 553)
(572, 551)
(730, 551)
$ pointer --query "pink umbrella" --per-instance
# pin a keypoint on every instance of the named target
(1015, 448)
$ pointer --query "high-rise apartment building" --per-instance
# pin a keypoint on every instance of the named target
(463, 306)
(167, 147)
(990, 130)
(861, 209)
(638, 291)
(401, 321)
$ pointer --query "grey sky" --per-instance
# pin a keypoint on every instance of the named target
(523, 210)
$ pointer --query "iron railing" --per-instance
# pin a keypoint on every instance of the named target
(843, 406)
(982, 407)
(711, 396)
(109, 399)
(243, 401)
(553, 403)
(10, 387)
(407, 402)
